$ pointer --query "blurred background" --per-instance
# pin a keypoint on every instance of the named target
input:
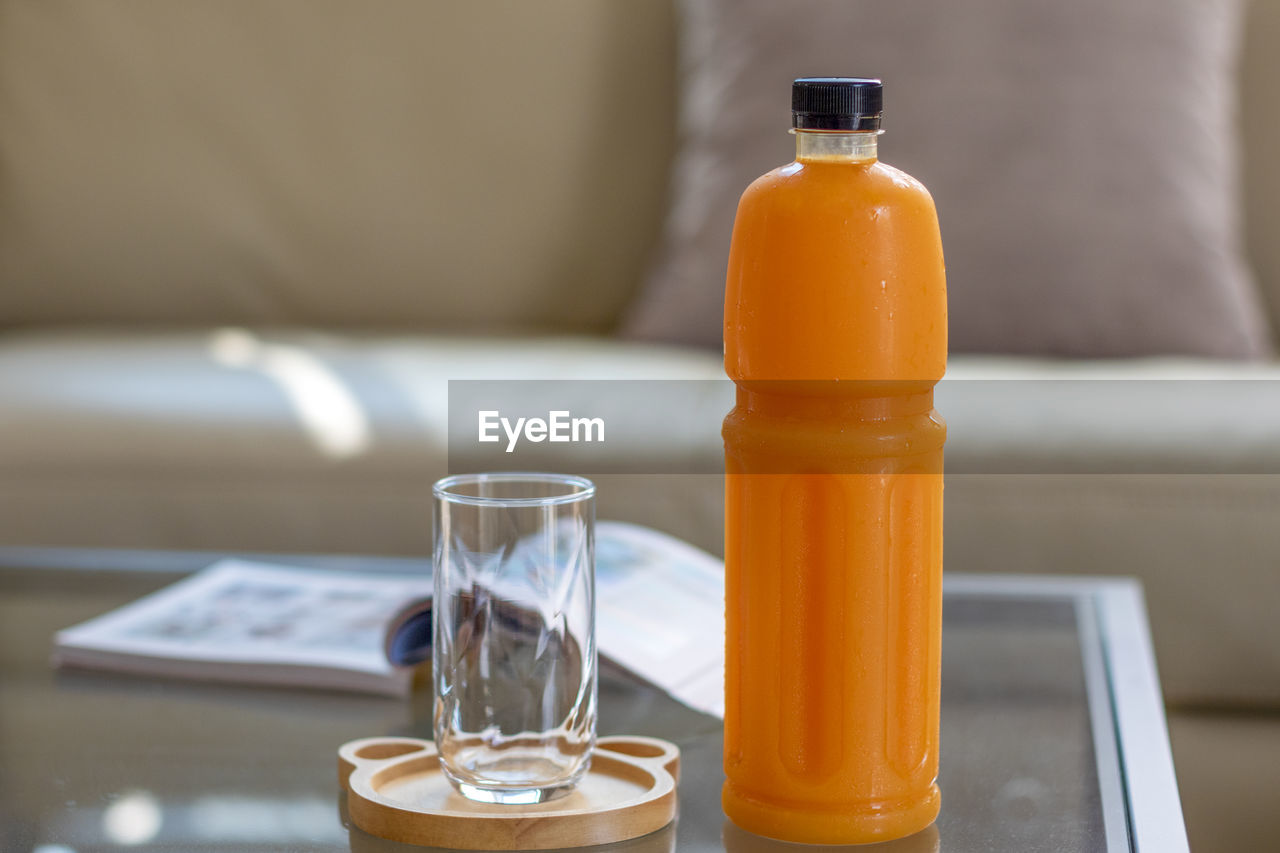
(244, 246)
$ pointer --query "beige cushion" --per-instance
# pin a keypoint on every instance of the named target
(286, 441)
(230, 440)
(392, 163)
(1228, 768)
(1260, 121)
(1082, 157)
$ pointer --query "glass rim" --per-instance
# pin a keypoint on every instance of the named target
(582, 488)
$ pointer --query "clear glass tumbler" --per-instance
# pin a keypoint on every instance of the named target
(514, 650)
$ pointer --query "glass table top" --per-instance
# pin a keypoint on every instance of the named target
(1035, 736)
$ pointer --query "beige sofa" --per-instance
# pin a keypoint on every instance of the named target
(236, 275)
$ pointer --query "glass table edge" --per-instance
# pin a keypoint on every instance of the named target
(1113, 605)
(1115, 632)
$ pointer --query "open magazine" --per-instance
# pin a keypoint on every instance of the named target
(659, 615)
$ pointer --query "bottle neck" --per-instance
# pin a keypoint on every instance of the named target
(836, 146)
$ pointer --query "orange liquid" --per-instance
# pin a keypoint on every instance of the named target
(835, 332)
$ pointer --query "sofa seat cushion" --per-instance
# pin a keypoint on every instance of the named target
(1146, 416)
(230, 439)
(225, 439)
(1228, 774)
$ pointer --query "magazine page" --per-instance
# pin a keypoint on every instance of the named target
(240, 614)
(660, 612)
(659, 615)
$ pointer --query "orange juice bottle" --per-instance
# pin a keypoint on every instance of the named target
(835, 332)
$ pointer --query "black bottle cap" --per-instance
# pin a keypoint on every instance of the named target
(836, 103)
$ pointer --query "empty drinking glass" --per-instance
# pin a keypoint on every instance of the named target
(514, 650)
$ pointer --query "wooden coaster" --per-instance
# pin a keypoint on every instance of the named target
(397, 791)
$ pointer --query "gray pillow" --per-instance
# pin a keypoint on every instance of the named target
(1082, 157)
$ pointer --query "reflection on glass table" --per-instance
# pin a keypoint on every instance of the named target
(1053, 736)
